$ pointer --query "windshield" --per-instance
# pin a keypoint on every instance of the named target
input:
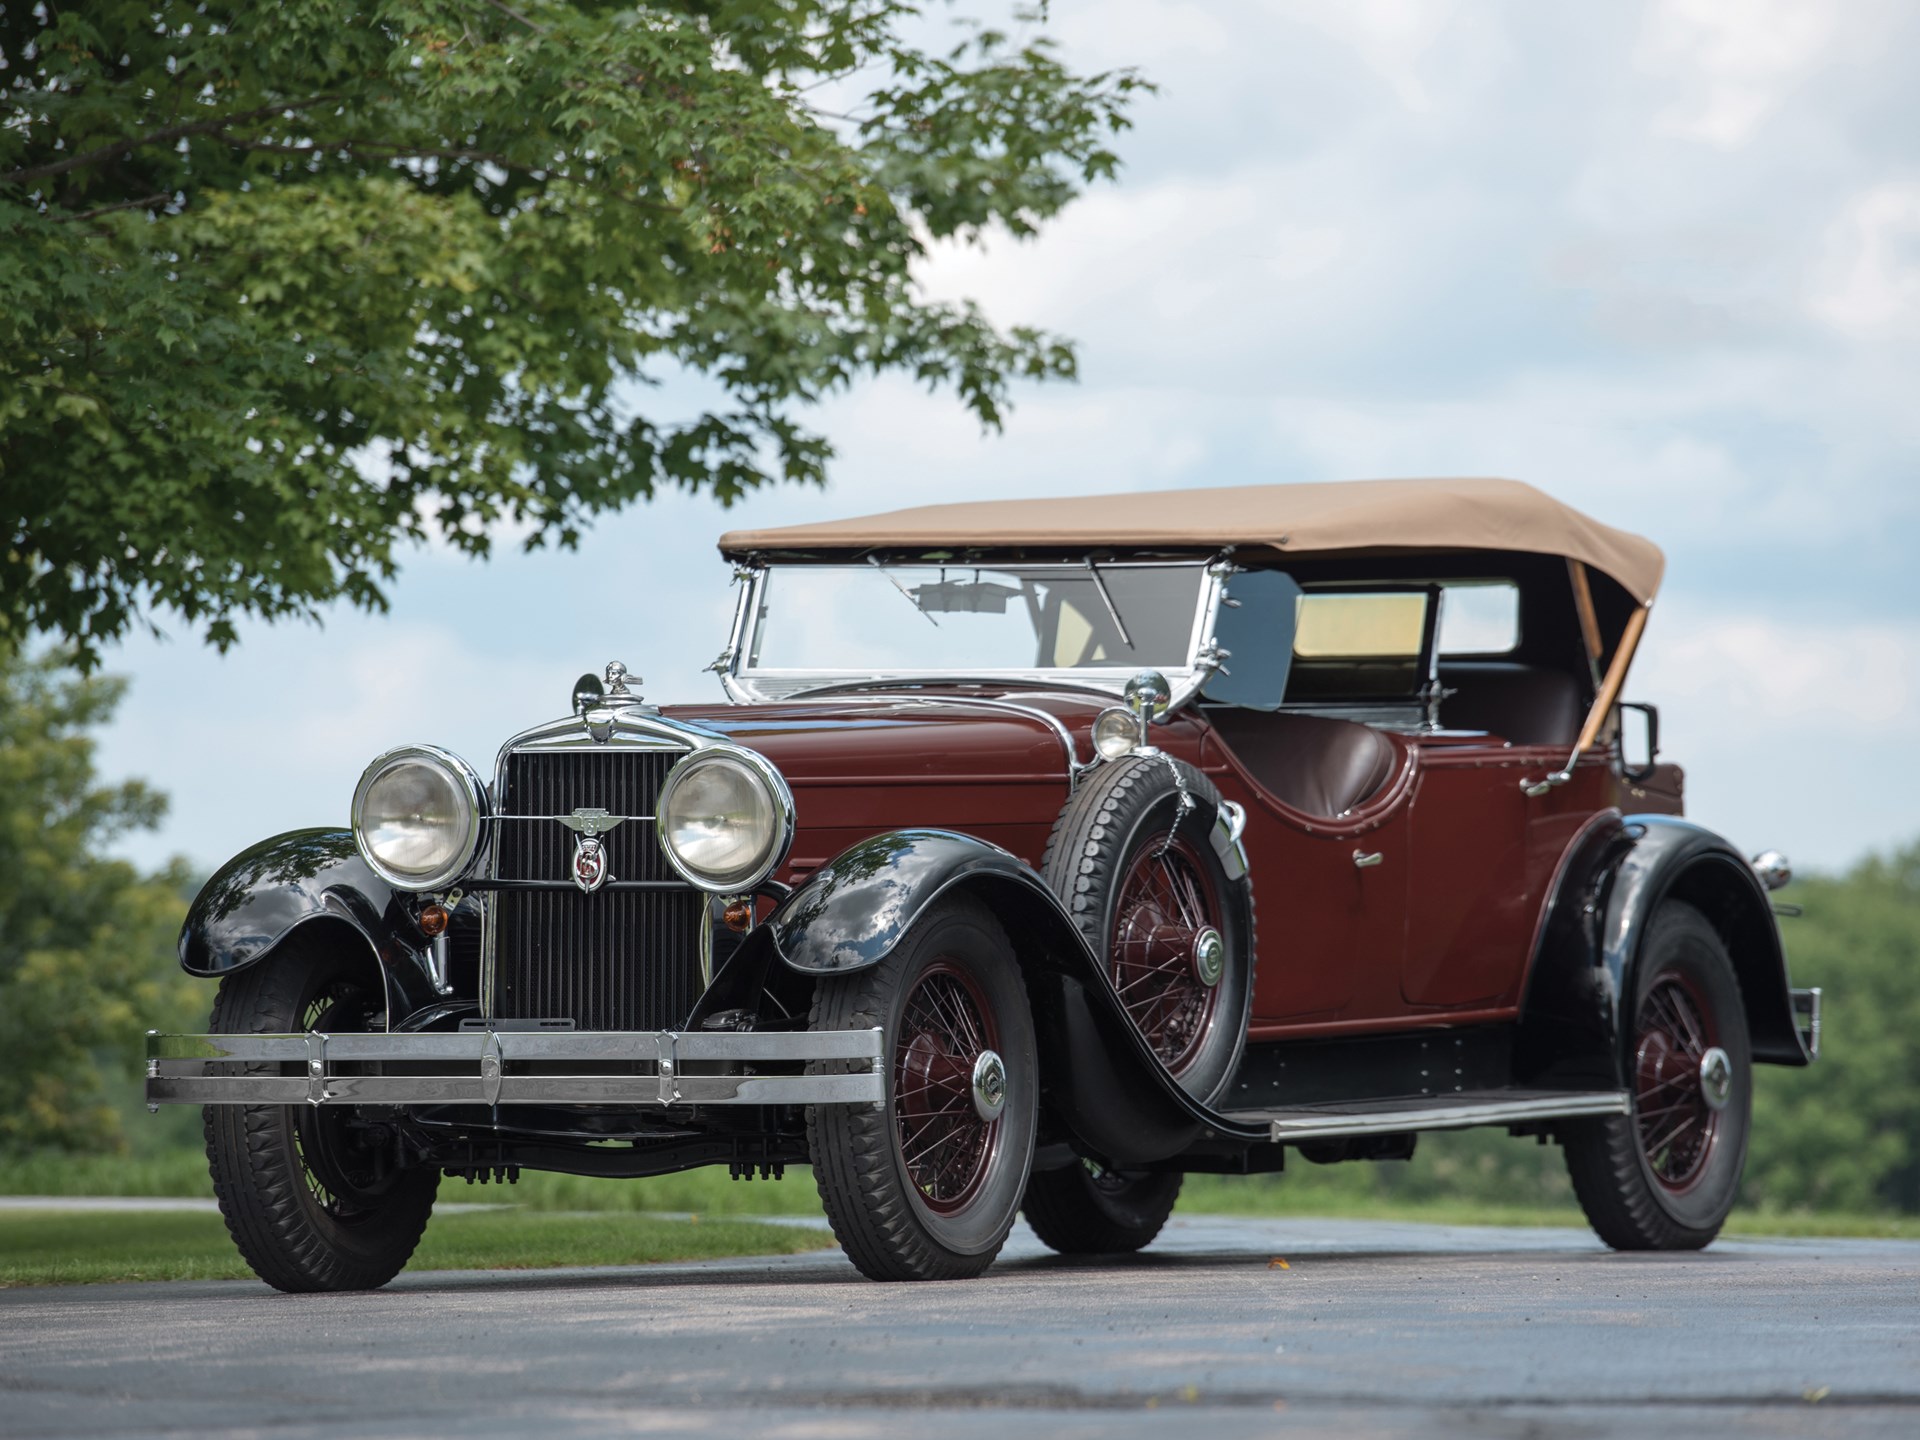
(973, 619)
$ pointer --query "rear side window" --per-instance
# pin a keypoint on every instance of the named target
(1479, 617)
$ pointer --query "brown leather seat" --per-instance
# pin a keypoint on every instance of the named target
(1314, 764)
(1522, 703)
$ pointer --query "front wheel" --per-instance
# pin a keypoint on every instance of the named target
(1664, 1176)
(925, 1186)
(313, 1200)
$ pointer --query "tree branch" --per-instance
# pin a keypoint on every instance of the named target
(513, 14)
(154, 137)
(140, 204)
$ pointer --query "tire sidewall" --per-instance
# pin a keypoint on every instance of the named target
(264, 1145)
(953, 936)
(1683, 944)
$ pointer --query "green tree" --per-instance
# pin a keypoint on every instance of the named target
(86, 943)
(1845, 1133)
(282, 286)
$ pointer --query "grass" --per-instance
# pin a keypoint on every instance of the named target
(1306, 1191)
(48, 1247)
(707, 1192)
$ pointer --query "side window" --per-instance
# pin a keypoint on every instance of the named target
(1479, 617)
(1361, 645)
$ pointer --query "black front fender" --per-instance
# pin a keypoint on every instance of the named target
(1099, 1078)
(1573, 1030)
(262, 895)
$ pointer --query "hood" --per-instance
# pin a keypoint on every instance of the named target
(858, 736)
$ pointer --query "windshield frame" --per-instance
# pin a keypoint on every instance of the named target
(760, 685)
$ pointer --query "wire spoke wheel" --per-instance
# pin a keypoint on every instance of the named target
(1678, 1124)
(1138, 859)
(345, 1176)
(926, 1185)
(1165, 915)
(945, 1144)
(312, 1198)
(1665, 1175)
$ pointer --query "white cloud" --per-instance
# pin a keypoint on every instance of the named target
(1831, 682)
(1869, 286)
(1731, 63)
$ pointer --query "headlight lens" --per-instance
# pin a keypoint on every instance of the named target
(1116, 733)
(416, 817)
(722, 823)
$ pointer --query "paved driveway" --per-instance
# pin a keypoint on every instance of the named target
(1370, 1329)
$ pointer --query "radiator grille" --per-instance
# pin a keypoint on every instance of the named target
(612, 960)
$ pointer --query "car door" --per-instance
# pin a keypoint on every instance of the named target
(1330, 877)
(1472, 899)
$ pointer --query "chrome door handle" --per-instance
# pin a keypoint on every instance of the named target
(1363, 861)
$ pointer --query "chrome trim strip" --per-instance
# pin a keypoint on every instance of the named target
(1288, 1127)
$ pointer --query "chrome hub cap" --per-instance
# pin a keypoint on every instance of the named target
(989, 1086)
(1716, 1078)
(1209, 957)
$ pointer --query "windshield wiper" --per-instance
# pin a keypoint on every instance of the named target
(1112, 609)
(903, 590)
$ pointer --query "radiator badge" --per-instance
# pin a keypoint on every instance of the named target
(589, 863)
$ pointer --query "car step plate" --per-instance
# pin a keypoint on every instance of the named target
(1398, 1114)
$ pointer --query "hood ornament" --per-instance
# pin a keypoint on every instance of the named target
(617, 680)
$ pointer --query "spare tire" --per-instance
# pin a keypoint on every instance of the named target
(1132, 858)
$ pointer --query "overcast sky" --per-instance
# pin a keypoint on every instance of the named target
(1661, 260)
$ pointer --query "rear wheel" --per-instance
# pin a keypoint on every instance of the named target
(1664, 1176)
(311, 1199)
(1086, 1209)
(926, 1185)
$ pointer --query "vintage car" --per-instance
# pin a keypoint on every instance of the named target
(954, 898)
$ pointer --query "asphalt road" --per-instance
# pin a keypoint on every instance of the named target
(1370, 1329)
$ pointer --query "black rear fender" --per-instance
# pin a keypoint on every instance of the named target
(1617, 874)
(1099, 1079)
(310, 883)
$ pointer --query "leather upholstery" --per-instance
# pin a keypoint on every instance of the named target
(1525, 704)
(1321, 766)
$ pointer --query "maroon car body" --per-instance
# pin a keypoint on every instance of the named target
(1193, 831)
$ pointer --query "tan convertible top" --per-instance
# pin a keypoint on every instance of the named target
(1350, 515)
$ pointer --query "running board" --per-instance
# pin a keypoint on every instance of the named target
(1431, 1112)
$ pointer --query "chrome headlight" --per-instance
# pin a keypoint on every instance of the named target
(417, 817)
(725, 819)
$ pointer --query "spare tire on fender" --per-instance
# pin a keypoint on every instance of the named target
(1134, 861)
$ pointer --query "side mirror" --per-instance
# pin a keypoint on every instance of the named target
(1639, 739)
(587, 693)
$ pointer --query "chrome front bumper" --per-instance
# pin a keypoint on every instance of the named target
(1806, 1018)
(513, 1067)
